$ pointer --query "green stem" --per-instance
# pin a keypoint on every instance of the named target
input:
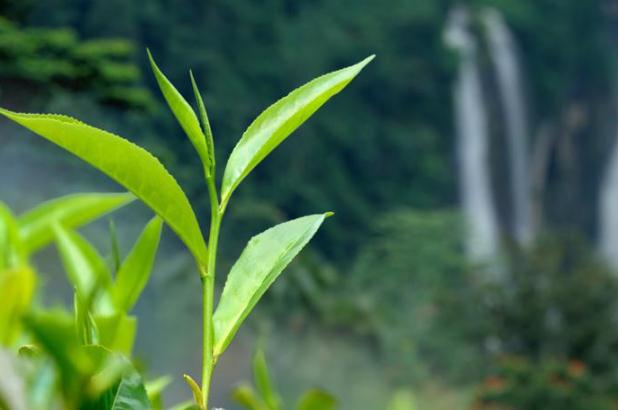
(208, 292)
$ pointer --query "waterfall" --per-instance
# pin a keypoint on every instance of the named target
(608, 210)
(482, 242)
(503, 54)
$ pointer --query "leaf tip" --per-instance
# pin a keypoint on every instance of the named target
(328, 214)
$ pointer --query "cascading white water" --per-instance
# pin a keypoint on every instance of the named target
(608, 210)
(482, 242)
(503, 53)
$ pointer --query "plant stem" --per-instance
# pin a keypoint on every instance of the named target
(208, 292)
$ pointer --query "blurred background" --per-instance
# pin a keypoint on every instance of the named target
(473, 169)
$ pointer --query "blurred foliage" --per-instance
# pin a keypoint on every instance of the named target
(522, 384)
(48, 60)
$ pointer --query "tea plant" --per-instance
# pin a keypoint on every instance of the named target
(265, 256)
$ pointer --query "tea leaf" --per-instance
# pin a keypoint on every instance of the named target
(263, 381)
(35, 226)
(130, 394)
(11, 247)
(116, 331)
(183, 112)
(84, 265)
(129, 165)
(279, 120)
(195, 389)
(136, 268)
(210, 144)
(316, 400)
(16, 293)
(260, 263)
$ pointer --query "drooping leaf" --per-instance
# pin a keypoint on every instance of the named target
(260, 263)
(135, 270)
(84, 266)
(183, 112)
(263, 381)
(279, 120)
(210, 144)
(71, 211)
(129, 165)
(316, 400)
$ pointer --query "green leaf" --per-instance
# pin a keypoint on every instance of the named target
(183, 112)
(84, 266)
(210, 144)
(11, 246)
(248, 398)
(35, 226)
(54, 331)
(154, 389)
(129, 165)
(263, 381)
(135, 270)
(195, 389)
(316, 400)
(116, 332)
(16, 294)
(279, 120)
(130, 394)
(260, 263)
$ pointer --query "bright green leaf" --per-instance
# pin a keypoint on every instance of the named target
(116, 332)
(16, 293)
(135, 270)
(260, 263)
(71, 211)
(131, 166)
(129, 394)
(316, 400)
(84, 266)
(279, 120)
(183, 112)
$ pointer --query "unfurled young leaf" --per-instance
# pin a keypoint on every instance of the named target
(136, 268)
(71, 211)
(260, 263)
(210, 144)
(129, 165)
(279, 120)
(316, 400)
(183, 112)
(130, 394)
(263, 381)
